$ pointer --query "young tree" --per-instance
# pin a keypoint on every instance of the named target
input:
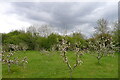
(63, 47)
(103, 43)
(9, 60)
(102, 47)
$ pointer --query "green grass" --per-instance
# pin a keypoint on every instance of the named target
(52, 66)
(0, 70)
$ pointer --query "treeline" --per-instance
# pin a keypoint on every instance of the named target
(25, 40)
(31, 40)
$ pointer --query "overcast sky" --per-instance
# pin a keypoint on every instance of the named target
(75, 16)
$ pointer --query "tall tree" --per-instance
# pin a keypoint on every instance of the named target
(102, 26)
(45, 30)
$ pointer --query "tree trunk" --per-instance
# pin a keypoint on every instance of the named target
(8, 67)
(98, 61)
(70, 74)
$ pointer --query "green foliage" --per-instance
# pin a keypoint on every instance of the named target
(36, 42)
(18, 37)
(76, 38)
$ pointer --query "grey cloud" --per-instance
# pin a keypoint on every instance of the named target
(63, 14)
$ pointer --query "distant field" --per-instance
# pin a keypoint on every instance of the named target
(51, 65)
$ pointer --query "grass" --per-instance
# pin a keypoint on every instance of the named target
(44, 65)
(0, 70)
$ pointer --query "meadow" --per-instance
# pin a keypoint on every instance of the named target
(51, 65)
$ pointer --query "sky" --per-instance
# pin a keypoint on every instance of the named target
(73, 16)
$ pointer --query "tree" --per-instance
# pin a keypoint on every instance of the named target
(9, 60)
(76, 38)
(44, 30)
(11, 38)
(116, 33)
(102, 26)
(102, 47)
(33, 30)
(28, 39)
(23, 46)
(102, 43)
(63, 46)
